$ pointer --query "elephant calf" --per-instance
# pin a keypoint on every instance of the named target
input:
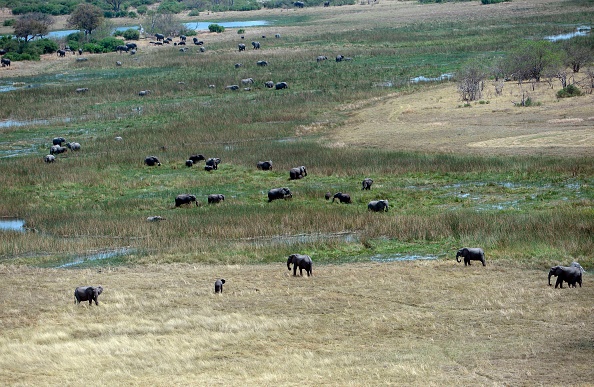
(219, 285)
(302, 262)
(342, 197)
(279, 193)
(152, 161)
(265, 165)
(471, 254)
(87, 293)
(297, 173)
(367, 182)
(215, 198)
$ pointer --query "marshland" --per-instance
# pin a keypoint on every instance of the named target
(387, 303)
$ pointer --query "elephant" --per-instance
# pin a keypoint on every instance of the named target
(321, 58)
(5, 62)
(159, 37)
(189, 163)
(279, 193)
(73, 146)
(215, 198)
(58, 140)
(299, 4)
(247, 81)
(378, 206)
(241, 47)
(265, 165)
(238, 65)
(202, 49)
(61, 53)
(256, 45)
(219, 285)
(132, 46)
(121, 48)
(269, 84)
(328, 195)
(208, 168)
(155, 218)
(471, 254)
(281, 85)
(301, 261)
(297, 173)
(152, 161)
(196, 158)
(262, 63)
(197, 41)
(82, 89)
(569, 274)
(49, 158)
(232, 87)
(213, 162)
(57, 149)
(144, 93)
(87, 293)
(326, 3)
(577, 265)
(80, 51)
(185, 199)
(339, 58)
(342, 197)
(367, 182)
(277, 36)
(182, 38)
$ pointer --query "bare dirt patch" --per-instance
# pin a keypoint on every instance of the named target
(436, 120)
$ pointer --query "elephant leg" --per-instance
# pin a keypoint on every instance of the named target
(559, 282)
(294, 270)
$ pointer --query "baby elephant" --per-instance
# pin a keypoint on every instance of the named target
(366, 183)
(87, 293)
(215, 198)
(219, 285)
(471, 254)
(342, 197)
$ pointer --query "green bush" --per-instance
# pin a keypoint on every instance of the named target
(46, 46)
(93, 48)
(8, 22)
(216, 28)
(569, 91)
(131, 34)
(171, 6)
(132, 15)
(143, 9)
(110, 43)
(15, 56)
(194, 12)
(240, 31)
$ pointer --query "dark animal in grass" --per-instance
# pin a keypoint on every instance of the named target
(189, 163)
(571, 283)
(159, 37)
(73, 146)
(339, 58)
(82, 89)
(279, 193)
(326, 3)
(121, 48)
(185, 199)
(5, 62)
(80, 51)
(49, 158)
(321, 58)
(366, 184)
(303, 262)
(151, 161)
(262, 63)
(143, 93)
(241, 47)
(569, 274)
(269, 84)
(155, 218)
(232, 87)
(378, 206)
(238, 65)
(132, 46)
(58, 140)
(61, 53)
(87, 293)
(256, 45)
(219, 285)
(215, 198)
(277, 36)
(299, 4)
(196, 158)
(248, 81)
(213, 162)
(208, 168)
(57, 149)
(342, 197)
(328, 195)
(297, 173)
(265, 165)
(281, 85)
(471, 254)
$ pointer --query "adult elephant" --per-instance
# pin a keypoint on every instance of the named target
(366, 183)
(269, 84)
(121, 48)
(87, 293)
(262, 63)
(241, 47)
(74, 146)
(49, 158)
(303, 262)
(569, 274)
(299, 4)
(152, 161)
(196, 158)
(342, 197)
(378, 206)
(471, 254)
(297, 173)
(215, 198)
(61, 53)
(58, 140)
(281, 85)
(279, 193)
(185, 199)
(57, 149)
(5, 62)
(213, 162)
(265, 165)
(219, 285)
(159, 37)
(256, 45)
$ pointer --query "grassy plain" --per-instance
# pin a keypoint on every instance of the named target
(515, 181)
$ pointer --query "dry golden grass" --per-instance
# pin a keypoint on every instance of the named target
(409, 323)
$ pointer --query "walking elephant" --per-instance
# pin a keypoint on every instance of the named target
(213, 162)
(569, 274)
(152, 161)
(241, 47)
(297, 173)
(265, 165)
(378, 206)
(219, 285)
(57, 149)
(342, 197)
(49, 158)
(215, 198)
(366, 183)
(196, 158)
(256, 45)
(303, 262)
(281, 85)
(5, 62)
(279, 193)
(87, 293)
(471, 254)
(58, 140)
(185, 199)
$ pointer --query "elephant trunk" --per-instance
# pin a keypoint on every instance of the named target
(458, 258)
(550, 274)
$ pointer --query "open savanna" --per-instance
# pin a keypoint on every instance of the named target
(517, 182)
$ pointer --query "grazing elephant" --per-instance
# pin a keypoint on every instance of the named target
(241, 47)
(256, 45)
(326, 3)
(342, 197)
(58, 140)
(569, 274)
(269, 84)
(247, 81)
(80, 51)
(5, 62)
(155, 218)
(121, 48)
(73, 146)
(297, 173)
(279, 193)
(367, 182)
(378, 206)
(321, 58)
(197, 41)
(232, 87)
(87, 293)
(215, 198)
(299, 4)
(49, 158)
(219, 285)
(208, 168)
(151, 161)
(61, 53)
(281, 85)
(301, 261)
(185, 199)
(213, 162)
(144, 93)
(132, 46)
(577, 265)
(265, 165)
(57, 149)
(82, 89)
(328, 195)
(277, 36)
(238, 65)
(262, 63)
(196, 158)
(159, 37)
(189, 163)
(471, 254)
(339, 58)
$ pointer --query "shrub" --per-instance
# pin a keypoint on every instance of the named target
(15, 56)
(109, 44)
(132, 15)
(194, 12)
(131, 34)
(216, 28)
(8, 22)
(240, 31)
(569, 91)
(46, 46)
(92, 48)
(143, 9)
(171, 7)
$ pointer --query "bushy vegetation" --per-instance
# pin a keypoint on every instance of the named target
(129, 34)
(19, 50)
(216, 28)
(569, 91)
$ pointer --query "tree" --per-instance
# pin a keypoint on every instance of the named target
(32, 24)
(531, 60)
(115, 4)
(164, 23)
(470, 81)
(86, 17)
(578, 52)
